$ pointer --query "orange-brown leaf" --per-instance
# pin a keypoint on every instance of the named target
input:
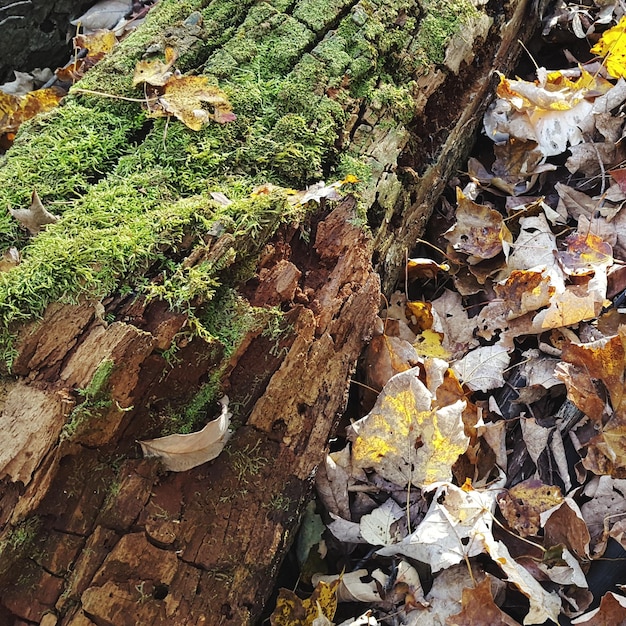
(479, 609)
(14, 110)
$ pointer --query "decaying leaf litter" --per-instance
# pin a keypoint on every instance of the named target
(487, 472)
(450, 502)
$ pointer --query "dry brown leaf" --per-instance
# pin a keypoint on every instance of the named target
(35, 217)
(9, 259)
(586, 253)
(452, 320)
(611, 612)
(483, 368)
(479, 609)
(606, 505)
(480, 231)
(155, 72)
(525, 291)
(183, 97)
(604, 360)
(564, 525)
(14, 110)
(180, 453)
(581, 390)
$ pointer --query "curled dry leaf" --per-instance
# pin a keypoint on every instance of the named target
(14, 110)
(612, 610)
(378, 528)
(453, 529)
(356, 586)
(292, 611)
(183, 97)
(180, 453)
(480, 231)
(155, 72)
(35, 217)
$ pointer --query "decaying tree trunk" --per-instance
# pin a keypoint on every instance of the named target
(94, 534)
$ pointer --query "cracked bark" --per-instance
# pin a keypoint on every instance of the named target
(114, 540)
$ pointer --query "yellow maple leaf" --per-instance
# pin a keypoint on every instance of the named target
(17, 109)
(612, 46)
(155, 72)
(183, 97)
(407, 436)
(293, 611)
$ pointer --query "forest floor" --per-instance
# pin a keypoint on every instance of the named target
(479, 476)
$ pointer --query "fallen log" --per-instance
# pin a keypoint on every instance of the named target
(180, 270)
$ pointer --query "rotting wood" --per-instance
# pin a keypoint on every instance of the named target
(108, 538)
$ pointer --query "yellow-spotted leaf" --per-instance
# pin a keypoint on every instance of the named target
(407, 436)
(293, 611)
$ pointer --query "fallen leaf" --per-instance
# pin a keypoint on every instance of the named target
(525, 291)
(367, 619)
(479, 609)
(292, 611)
(581, 390)
(453, 529)
(183, 97)
(332, 481)
(606, 505)
(564, 525)
(9, 259)
(356, 586)
(14, 110)
(543, 604)
(35, 217)
(451, 319)
(548, 111)
(425, 268)
(586, 253)
(612, 46)
(406, 437)
(103, 14)
(180, 453)
(523, 504)
(377, 527)
(604, 359)
(479, 232)
(611, 612)
(155, 72)
(483, 368)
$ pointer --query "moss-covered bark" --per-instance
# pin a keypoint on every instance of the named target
(180, 296)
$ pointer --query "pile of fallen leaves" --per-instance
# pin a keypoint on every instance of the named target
(489, 469)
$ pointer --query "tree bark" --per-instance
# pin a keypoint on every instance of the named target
(94, 534)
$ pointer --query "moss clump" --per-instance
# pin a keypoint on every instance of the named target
(96, 399)
(441, 20)
(17, 543)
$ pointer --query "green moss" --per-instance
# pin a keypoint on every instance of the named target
(96, 399)
(316, 14)
(441, 20)
(17, 543)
